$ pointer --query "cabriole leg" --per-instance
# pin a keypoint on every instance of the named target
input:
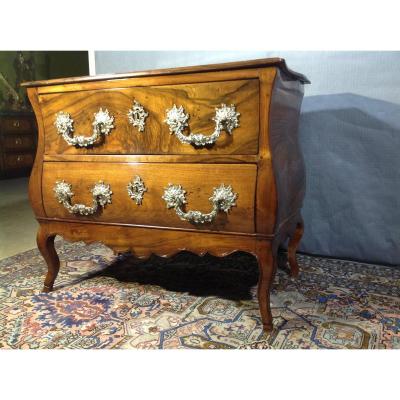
(45, 243)
(267, 264)
(292, 248)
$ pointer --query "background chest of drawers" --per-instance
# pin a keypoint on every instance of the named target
(204, 159)
(18, 139)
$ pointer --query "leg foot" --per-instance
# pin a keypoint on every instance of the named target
(47, 289)
(292, 248)
(45, 243)
(267, 264)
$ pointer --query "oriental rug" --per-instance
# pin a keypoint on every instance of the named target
(106, 301)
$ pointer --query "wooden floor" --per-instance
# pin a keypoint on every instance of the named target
(17, 223)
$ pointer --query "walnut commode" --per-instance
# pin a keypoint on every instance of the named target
(204, 159)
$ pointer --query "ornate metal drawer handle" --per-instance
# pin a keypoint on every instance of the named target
(102, 124)
(223, 199)
(136, 190)
(226, 118)
(137, 116)
(101, 196)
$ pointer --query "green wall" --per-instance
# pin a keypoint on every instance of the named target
(45, 65)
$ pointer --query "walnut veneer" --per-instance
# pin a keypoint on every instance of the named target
(244, 191)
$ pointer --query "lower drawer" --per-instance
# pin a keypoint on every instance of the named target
(196, 187)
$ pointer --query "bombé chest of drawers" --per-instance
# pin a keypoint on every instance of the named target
(18, 138)
(204, 159)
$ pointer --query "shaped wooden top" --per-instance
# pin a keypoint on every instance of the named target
(259, 63)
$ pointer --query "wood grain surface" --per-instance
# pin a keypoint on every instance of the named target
(197, 180)
(35, 180)
(199, 101)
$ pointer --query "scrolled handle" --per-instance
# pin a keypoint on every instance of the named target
(101, 196)
(223, 199)
(226, 119)
(102, 125)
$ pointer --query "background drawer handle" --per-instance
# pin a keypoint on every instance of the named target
(16, 124)
(18, 141)
(223, 199)
(101, 196)
(102, 124)
(226, 118)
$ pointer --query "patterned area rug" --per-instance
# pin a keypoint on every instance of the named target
(104, 301)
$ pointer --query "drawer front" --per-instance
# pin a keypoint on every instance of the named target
(18, 160)
(199, 101)
(16, 125)
(198, 182)
(18, 142)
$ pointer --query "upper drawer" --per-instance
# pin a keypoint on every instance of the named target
(198, 100)
(15, 124)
